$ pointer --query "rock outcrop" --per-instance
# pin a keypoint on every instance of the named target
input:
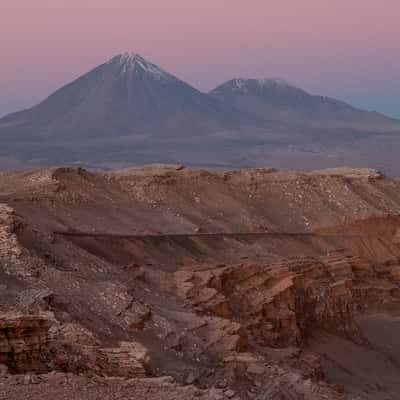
(226, 281)
(24, 341)
(281, 304)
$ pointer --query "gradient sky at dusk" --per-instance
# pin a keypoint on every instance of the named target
(347, 49)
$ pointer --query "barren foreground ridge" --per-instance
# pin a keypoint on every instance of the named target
(162, 282)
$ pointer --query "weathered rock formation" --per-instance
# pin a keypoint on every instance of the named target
(227, 281)
(24, 341)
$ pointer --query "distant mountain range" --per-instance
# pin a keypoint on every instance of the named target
(129, 110)
(276, 100)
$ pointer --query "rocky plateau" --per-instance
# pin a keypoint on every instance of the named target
(162, 282)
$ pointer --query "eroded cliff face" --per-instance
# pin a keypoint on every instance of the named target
(246, 304)
(38, 343)
(282, 304)
(23, 342)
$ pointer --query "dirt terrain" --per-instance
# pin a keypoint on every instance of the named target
(162, 282)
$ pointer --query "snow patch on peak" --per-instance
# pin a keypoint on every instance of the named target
(246, 85)
(273, 82)
(264, 83)
(128, 58)
(239, 83)
(133, 61)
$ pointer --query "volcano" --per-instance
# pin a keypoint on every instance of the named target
(129, 110)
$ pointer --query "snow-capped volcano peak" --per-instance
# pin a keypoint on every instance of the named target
(130, 62)
(251, 85)
(259, 87)
(242, 83)
(273, 82)
(129, 58)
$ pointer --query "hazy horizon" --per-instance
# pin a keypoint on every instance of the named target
(347, 50)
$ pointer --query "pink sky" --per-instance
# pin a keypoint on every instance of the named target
(347, 49)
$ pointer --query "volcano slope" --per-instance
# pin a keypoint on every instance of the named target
(162, 282)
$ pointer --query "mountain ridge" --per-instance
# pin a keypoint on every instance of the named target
(276, 88)
(119, 76)
(128, 109)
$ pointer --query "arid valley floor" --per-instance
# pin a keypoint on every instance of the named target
(162, 282)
